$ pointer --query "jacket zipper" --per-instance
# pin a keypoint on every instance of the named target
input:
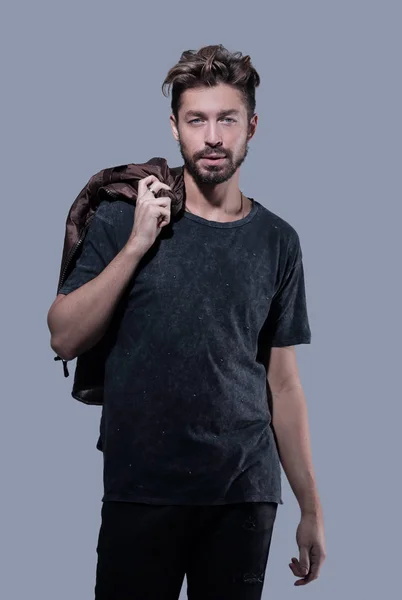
(72, 252)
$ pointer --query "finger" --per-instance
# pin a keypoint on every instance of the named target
(314, 571)
(163, 202)
(296, 573)
(153, 189)
(158, 185)
(298, 567)
(300, 582)
(311, 576)
(304, 560)
(144, 183)
(294, 570)
(163, 217)
(149, 194)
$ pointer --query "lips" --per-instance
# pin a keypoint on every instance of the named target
(211, 160)
(216, 157)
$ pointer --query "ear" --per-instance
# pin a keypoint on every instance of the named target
(173, 125)
(252, 127)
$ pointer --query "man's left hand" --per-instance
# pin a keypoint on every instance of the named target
(311, 541)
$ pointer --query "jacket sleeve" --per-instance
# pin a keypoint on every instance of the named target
(98, 249)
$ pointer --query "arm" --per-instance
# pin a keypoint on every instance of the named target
(288, 324)
(77, 321)
(83, 309)
(290, 422)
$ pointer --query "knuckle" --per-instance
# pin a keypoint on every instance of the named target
(146, 180)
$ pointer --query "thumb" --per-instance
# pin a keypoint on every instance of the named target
(304, 560)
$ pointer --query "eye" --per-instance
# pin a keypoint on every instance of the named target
(224, 119)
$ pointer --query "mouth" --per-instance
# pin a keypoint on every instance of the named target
(214, 159)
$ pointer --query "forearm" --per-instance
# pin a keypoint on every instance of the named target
(80, 319)
(290, 422)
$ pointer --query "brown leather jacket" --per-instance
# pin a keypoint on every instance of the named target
(117, 182)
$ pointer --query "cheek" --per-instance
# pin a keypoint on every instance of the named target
(193, 143)
(236, 143)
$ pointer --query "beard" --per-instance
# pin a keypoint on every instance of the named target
(210, 174)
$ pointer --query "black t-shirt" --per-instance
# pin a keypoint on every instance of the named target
(186, 418)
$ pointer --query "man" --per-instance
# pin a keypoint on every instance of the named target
(204, 311)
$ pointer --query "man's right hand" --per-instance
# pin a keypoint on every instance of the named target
(151, 214)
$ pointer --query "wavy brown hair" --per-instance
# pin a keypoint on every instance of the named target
(210, 66)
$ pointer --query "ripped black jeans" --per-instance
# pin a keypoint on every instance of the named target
(144, 551)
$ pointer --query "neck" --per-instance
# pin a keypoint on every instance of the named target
(215, 202)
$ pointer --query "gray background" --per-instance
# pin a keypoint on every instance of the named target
(81, 92)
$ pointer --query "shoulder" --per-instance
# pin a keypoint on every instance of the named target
(280, 231)
(113, 211)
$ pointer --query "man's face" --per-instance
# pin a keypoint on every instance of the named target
(213, 122)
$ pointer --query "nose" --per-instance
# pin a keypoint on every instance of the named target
(212, 135)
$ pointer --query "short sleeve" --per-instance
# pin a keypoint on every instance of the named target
(288, 322)
(98, 250)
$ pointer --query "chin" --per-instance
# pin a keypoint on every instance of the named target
(211, 178)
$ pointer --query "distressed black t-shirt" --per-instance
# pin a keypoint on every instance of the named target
(186, 418)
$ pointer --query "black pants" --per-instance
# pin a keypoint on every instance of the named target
(144, 551)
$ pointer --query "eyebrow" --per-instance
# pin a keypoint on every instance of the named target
(222, 113)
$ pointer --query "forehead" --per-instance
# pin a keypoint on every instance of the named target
(212, 100)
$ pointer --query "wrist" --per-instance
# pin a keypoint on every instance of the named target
(133, 249)
(311, 508)
(308, 499)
